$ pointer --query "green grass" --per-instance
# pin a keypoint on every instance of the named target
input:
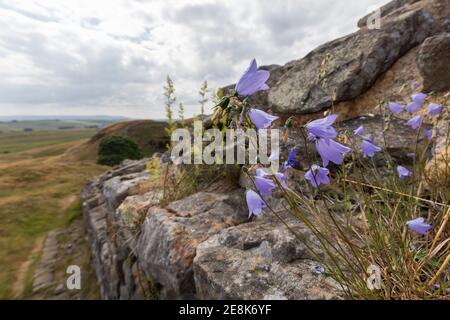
(89, 286)
(13, 142)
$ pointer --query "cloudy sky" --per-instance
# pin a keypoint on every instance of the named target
(111, 57)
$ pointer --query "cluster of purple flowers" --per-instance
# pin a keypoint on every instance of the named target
(251, 82)
(415, 122)
(323, 133)
(265, 186)
(416, 103)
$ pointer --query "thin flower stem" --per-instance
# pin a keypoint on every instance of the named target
(315, 232)
(414, 159)
(340, 252)
(344, 237)
(304, 241)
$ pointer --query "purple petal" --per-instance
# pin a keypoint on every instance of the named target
(434, 109)
(248, 74)
(403, 172)
(282, 179)
(255, 203)
(252, 81)
(419, 226)
(359, 131)
(265, 186)
(261, 119)
(311, 136)
(330, 150)
(339, 147)
(395, 107)
(428, 134)
(261, 173)
(280, 176)
(322, 128)
(292, 159)
(415, 122)
(419, 98)
(254, 84)
(252, 68)
(369, 149)
(285, 167)
(327, 121)
(317, 176)
(413, 107)
(264, 86)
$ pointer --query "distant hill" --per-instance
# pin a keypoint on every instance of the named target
(148, 134)
(51, 125)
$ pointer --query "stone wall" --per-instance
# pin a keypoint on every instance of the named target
(202, 246)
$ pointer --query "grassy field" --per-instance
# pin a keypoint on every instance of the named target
(14, 142)
(39, 188)
(46, 125)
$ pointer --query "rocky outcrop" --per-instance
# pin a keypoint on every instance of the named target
(63, 248)
(203, 246)
(43, 277)
(439, 9)
(388, 9)
(171, 235)
(111, 240)
(261, 260)
(142, 250)
(434, 62)
(345, 68)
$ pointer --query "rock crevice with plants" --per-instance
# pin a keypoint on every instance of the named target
(363, 186)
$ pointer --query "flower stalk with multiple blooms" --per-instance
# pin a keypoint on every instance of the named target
(320, 131)
(385, 213)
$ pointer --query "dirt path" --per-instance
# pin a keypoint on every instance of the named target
(22, 271)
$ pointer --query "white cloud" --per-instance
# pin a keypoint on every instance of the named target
(112, 57)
